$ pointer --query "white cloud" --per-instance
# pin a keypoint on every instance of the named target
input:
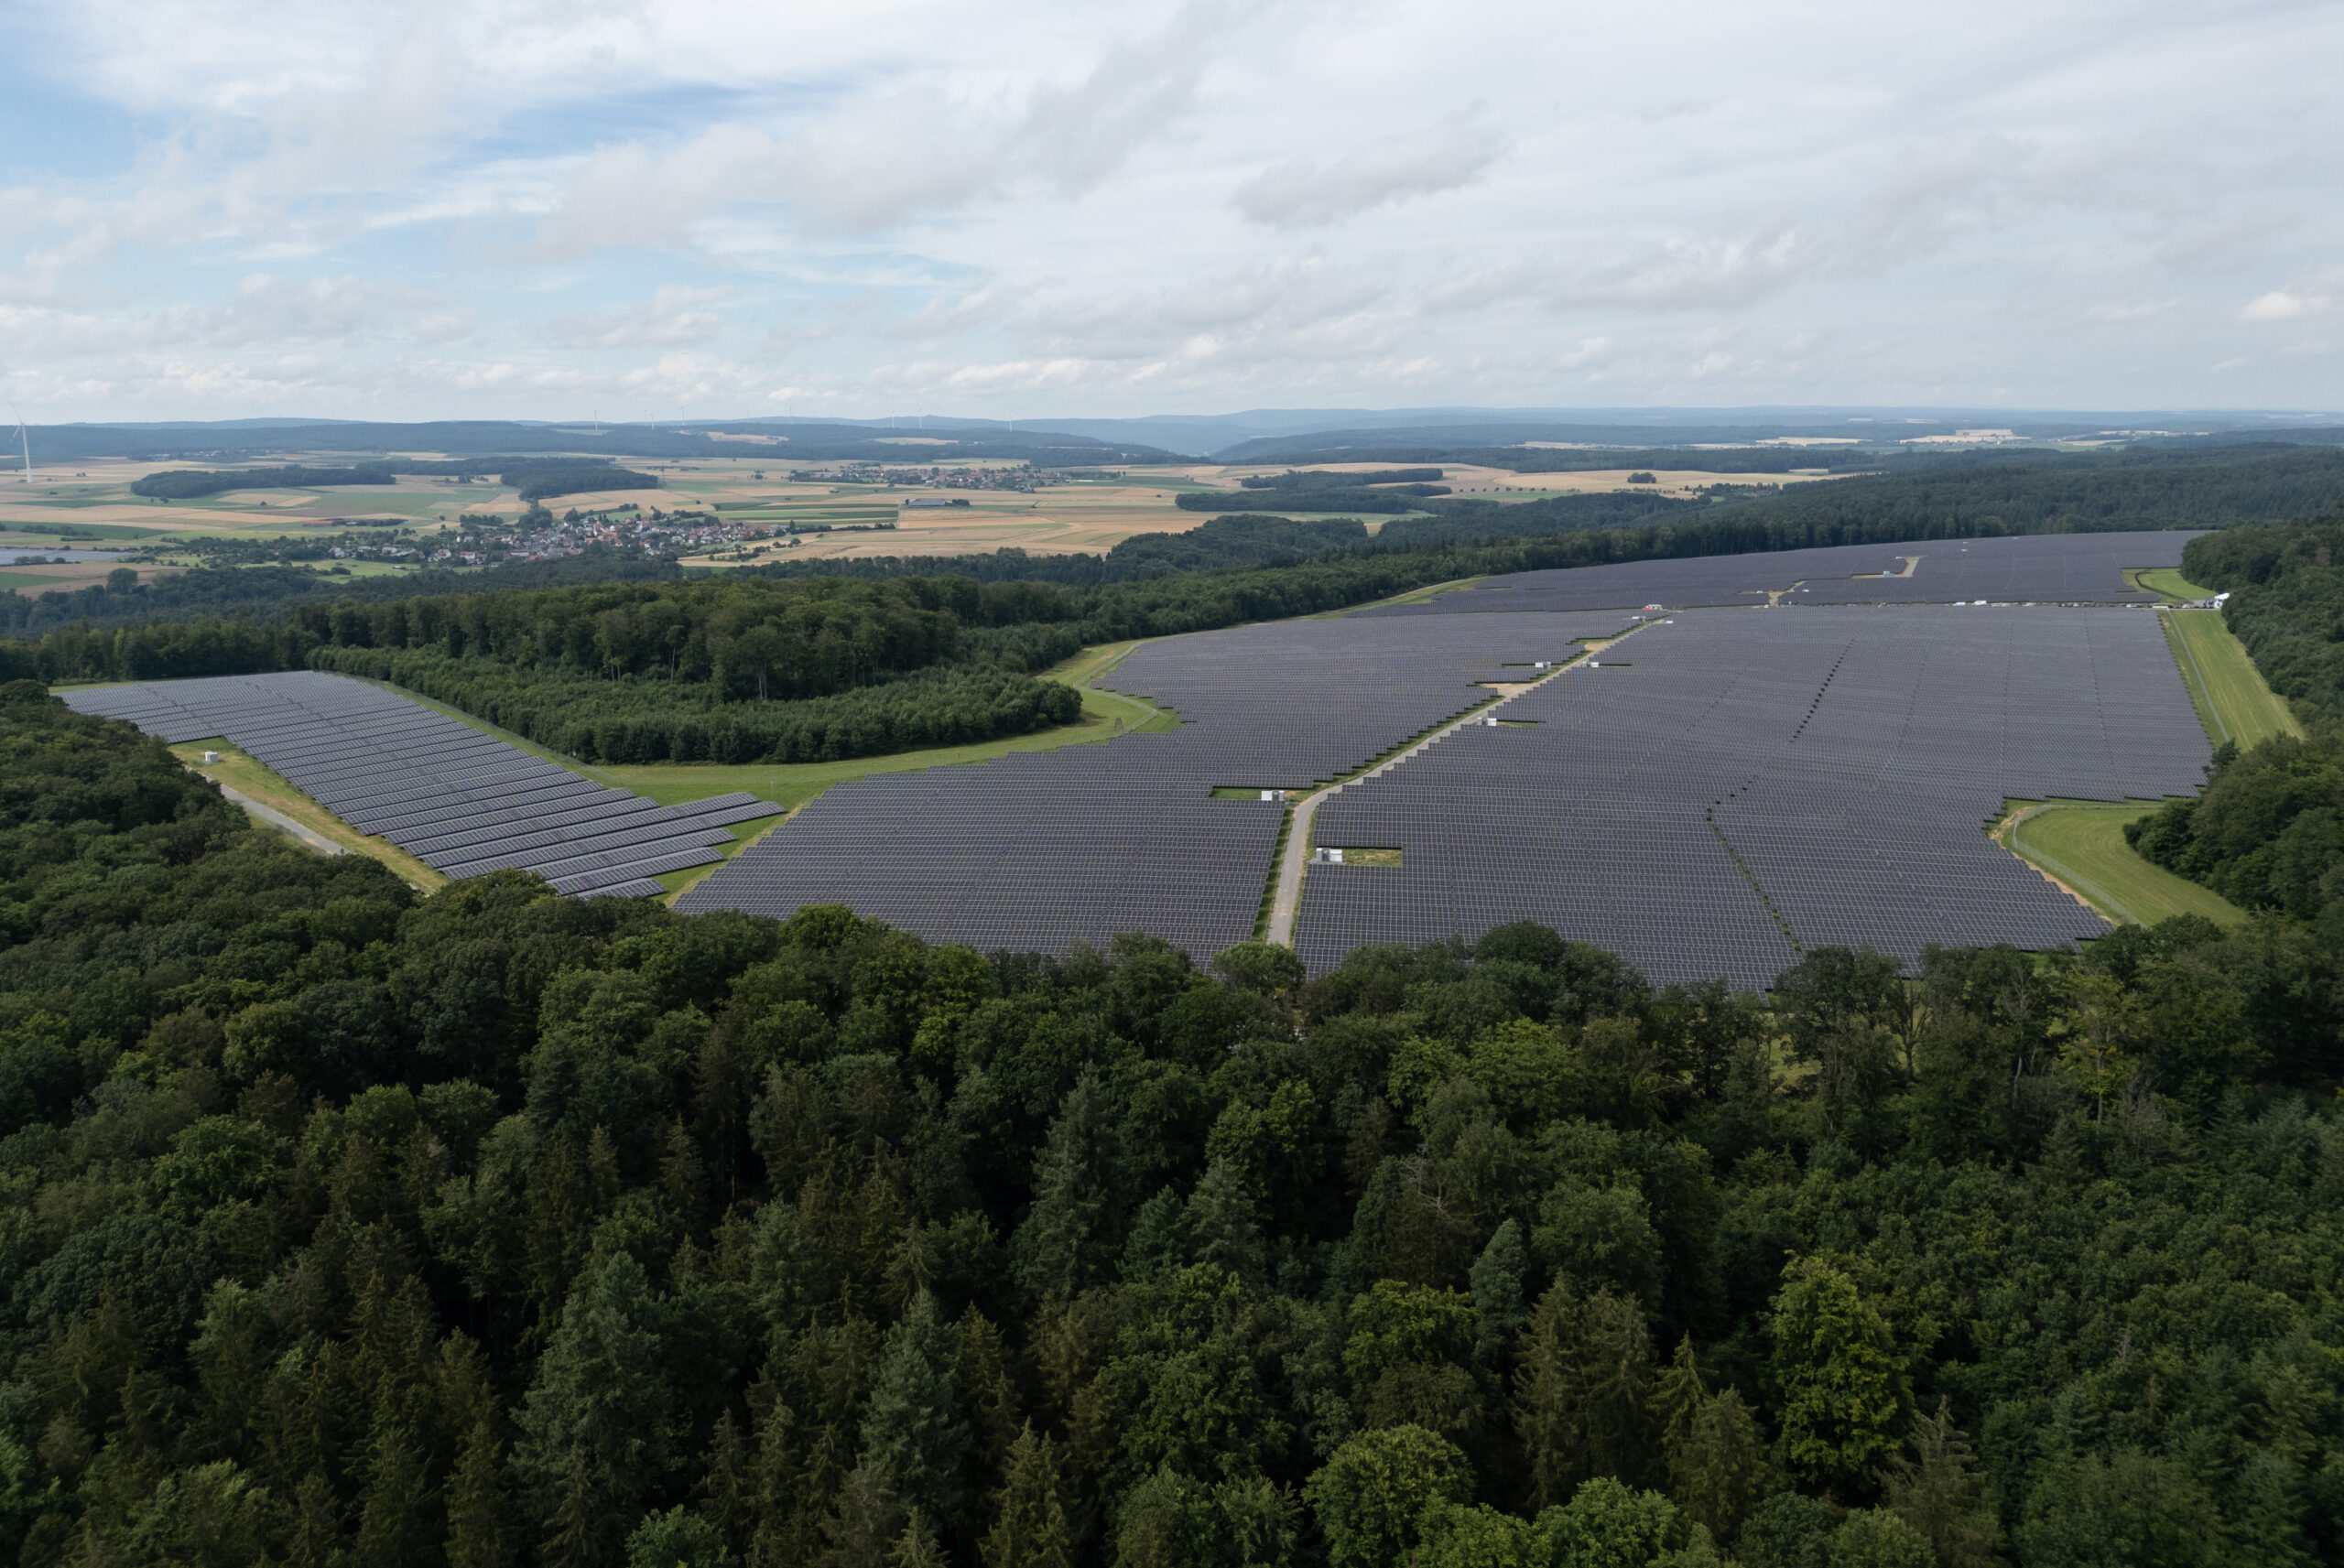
(673, 317)
(883, 158)
(2309, 293)
(1306, 192)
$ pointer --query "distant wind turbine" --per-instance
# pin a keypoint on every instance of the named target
(26, 442)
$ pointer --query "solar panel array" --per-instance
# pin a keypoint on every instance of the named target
(1727, 788)
(1722, 791)
(462, 802)
(1040, 850)
(2037, 569)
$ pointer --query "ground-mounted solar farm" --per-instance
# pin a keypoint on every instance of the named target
(1724, 786)
(1704, 765)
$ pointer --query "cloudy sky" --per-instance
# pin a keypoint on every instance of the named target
(227, 208)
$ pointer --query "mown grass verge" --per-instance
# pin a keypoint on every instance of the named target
(2228, 691)
(2080, 845)
(2168, 581)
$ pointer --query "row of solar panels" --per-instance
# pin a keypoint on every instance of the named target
(462, 802)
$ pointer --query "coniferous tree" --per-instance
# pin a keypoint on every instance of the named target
(397, 1522)
(481, 1526)
(1937, 1488)
(1072, 1233)
(989, 1400)
(913, 1435)
(866, 1522)
(1496, 1280)
(314, 1540)
(1581, 1391)
(1222, 1225)
(676, 1538)
(1031, 1531)
(727, 1488)
(594, 1423)
(233, 1374)
(1712, 1452)
(582, 1521)
(917, 1546)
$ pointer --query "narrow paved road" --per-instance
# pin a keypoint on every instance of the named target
(278, 819)
(1287, 901)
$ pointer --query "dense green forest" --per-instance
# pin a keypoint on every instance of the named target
(181, 485)
(1467, 521)
(2268, 831)
(270, 591)
(1377, 491)
(1971, 495)
(1600, 458)
(598, 720)
(344, 1228)
(575, 478)
(540, 478)
(1294, 478)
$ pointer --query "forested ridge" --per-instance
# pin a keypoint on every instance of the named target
(344, 1227)
(1315, 489)
(2268, 831)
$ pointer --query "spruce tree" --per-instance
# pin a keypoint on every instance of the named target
(480, 1527)
(683, 1174)
(914, 1437)
(1581, 1391)
(1939, 1491)
(1069, 1235)
(989, 1400)
(600, 1401)
(582, 1522)
(1713, 1457)
(865, 1521)
(1031, 1529)
(315, 1538)
(917, 1546)
(1159, 1236)
(398, 1527)
(232, 1362)
(727, 1490)
(1496, 1281)
(1222, 1225)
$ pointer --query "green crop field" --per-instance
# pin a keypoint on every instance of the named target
(2232, 700)
(2081, 843)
